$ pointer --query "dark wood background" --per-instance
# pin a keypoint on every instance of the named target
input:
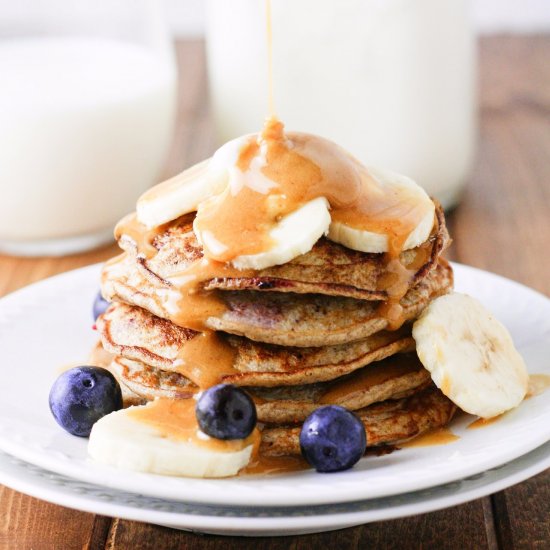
(502, 224)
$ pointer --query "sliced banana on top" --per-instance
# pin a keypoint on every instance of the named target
(293, 235)
(178, 195)
(297, 232)
(368, 241)
(470, 355)
(121, 440)
(184, 192)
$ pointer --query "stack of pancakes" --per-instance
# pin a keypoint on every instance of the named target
(304, 334)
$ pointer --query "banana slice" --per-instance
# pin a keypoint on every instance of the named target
(181, 194)
(122, 440)
(404, 189)
(470, 355)
(295, 234)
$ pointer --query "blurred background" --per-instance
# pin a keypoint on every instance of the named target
(188, 17)
(100, 100)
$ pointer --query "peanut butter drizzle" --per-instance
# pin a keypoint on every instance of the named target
(265, 465)
(296, 168)
(395, 282)
(188, 305)
(206, 359)
(194, 305)
(538, 384)
(141, 235)
(439, 436)
(371, 376)
(268, 465)
(482, 422)
(175, 419)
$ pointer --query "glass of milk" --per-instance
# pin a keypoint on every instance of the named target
(87, 105)
(392, 81)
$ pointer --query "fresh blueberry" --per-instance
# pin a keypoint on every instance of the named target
(332, 439)
(100, 305)
(83, 395)
(226, 412)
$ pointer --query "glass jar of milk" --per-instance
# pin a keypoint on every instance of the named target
(392, 81)
(87, 106)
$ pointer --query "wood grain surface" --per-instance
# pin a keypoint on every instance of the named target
(502, 224)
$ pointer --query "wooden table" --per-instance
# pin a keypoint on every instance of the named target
(502, 224)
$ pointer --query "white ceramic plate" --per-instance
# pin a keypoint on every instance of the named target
(262, 521)
(46, 326)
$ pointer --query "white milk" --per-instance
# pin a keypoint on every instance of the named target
(392, 81)
(84, 127)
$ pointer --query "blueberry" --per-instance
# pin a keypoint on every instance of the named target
(226, 412)
(100, 305)
(83, 395)
(332, 439)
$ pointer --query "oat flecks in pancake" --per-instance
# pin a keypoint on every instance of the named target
(285, 319)
(328, 268)
(385, 423)
(284, 405)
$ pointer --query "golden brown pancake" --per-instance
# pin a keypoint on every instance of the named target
(394, 378)
(329, 268)
(387, 423)
(302, 320)
(134, 333)
(99, 357)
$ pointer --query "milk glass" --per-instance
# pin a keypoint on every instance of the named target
(392, 81)
(87, 103)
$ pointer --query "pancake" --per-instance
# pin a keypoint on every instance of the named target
(387, 423)
(394, 378)
(329, 268)
(136, 334)
(99, 357)
(286, 319)
(317, 320)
